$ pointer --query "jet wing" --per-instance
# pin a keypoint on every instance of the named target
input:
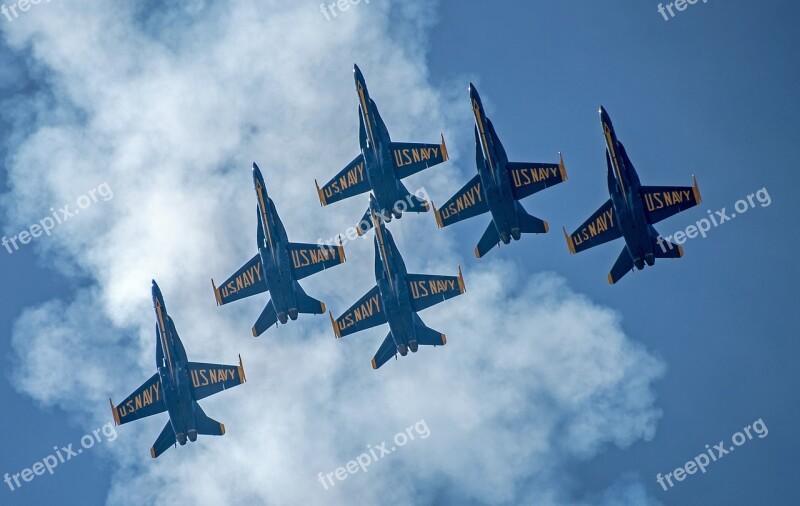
(661, 202)
(529, 178)
(147, 400)
(351, 181)
(308, 259)
(412, 157)
(366, 313)
(248, 280)
(466, 203)
(428, 290)
(600, 228)
(209, 379)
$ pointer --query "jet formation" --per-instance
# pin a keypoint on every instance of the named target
(398, 296)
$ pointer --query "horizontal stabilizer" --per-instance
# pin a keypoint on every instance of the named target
(305, 303)
(489, 240)
(666, 249)
(530, 224)
(209, 379)
(164, 442)
(247, 281)
(387, 350)
(266, 319)
(205, 425)
(349, 182)
(622, 266)
(426, 336)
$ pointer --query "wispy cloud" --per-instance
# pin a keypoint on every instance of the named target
(170, 106)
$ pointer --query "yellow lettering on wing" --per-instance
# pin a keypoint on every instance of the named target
(464, 201)
(362, 312)
(145, 398)
(659, 200)
(410, 156)
(601, 224)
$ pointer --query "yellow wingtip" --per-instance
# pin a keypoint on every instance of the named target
(336, 331)
(152, 452)
(445, 155)
(374, 364)
(438, 216)
(680, 251)
(546, 227)
(477, 253)
(561, 166)
(222, 429)
(696, 191)
(322, 201)
(114, 412)
(444, 339)
(216, 292)
(341, 251)
(242, 377)
(570, 244)
(610, 279)
(253, 330)
(461, 285)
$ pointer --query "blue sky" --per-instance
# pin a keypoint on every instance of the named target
(581, 396)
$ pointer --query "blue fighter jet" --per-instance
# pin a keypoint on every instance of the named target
(631, 212)
(498, 187)
(381, 165)
(396, 300)
(277, 267)
(176, 388)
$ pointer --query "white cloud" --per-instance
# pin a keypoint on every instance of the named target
(171, 116)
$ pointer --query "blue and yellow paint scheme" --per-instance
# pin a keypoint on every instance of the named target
(396, 299)
(381, 165)
(631, 211)
(498, 187)
(277, 267)
(176, 387)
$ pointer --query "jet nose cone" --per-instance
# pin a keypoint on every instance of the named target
(604, 117)
(156, 291)
(257, 172)
(473, 92)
